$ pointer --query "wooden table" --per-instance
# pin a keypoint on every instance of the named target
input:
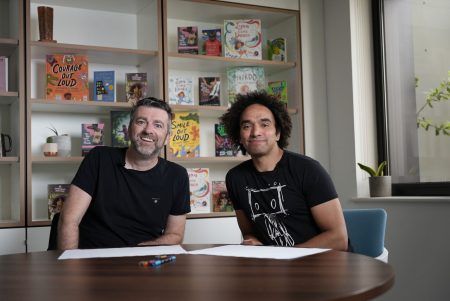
(330, 275)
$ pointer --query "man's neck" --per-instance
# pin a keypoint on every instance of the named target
(268, 162)
(136, 162)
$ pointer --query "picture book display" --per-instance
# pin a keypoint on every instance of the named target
(242, 80)
(136, 86)
(212, 42)
(119, 128)
(223, 145)
(219, 197)
(91, 136)
(188, 39)
(276, 50)
(209, 91)
(279, 89)
(3, 74)
(57, 194)
(200, 190)
(181, 90)
(104, 85)
(242, 39)
(185, 136)
(67, 77)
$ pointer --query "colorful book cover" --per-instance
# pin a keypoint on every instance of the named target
(223, 145)
(242, 39)
(242, 80)
(209, 91)
(181, 90)
(276, 50)
(104, 85)
(185, 136)
(220, 200)
(212, 42)
(3, 74)
(57, 194)
(67, 77)
(91, 136)
(200, 189)
(279, 89)
(188, 39)
(136, 86)
(119, 128)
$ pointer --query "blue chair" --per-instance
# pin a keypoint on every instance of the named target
(366, 229)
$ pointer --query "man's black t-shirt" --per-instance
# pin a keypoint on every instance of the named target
(128, 206)
(278, 203)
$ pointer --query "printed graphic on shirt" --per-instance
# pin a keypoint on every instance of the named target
(267, 205)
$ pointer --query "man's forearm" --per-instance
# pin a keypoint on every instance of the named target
(68, 237)
(165, 239)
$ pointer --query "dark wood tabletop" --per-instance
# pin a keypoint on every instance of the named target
(331, 275)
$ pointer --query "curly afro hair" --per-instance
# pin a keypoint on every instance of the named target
(231, 119)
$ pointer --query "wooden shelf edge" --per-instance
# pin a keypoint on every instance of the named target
(9, 42)
(9, 160)
(210, 215)
(56, 160)
(209, 160)
(9, 94)
(229, 60)
(77, 48)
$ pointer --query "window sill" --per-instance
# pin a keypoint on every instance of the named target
(403, 199)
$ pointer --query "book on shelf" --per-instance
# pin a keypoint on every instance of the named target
(67, 77)
(276, 50)
(242, 80)
(200, 190)
(120, 121)
(57, 194)
(91, 136)
(279, 90)
(209, 91)
(181, 90)
(223, 145)
(219, 197)
(3, 74)
(136, 86)
(104, 85)
(242, 39)
(185, 136)
(188, 39)
(212, 42)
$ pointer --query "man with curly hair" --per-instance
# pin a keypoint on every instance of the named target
(280, 197)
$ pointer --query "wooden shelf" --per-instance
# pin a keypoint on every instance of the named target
(204, 63)
(56, 160)
(95, 107)
(96, 54)
(205, 160)
(8, 46)
(9, 97)
(210, 215)
(9, 160)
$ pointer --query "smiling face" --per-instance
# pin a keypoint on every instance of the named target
(258, 132)
(149, 131)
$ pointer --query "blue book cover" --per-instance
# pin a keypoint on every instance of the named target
(104, 86)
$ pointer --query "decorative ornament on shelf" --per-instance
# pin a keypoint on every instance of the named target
(45, 17)
(379, 184)
(63, 141)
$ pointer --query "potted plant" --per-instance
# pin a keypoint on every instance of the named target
(379, 184)
(63, 141)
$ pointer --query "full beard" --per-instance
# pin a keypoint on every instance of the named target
(146, 151)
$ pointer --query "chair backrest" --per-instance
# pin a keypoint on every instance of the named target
(366, 229)
(53, 238)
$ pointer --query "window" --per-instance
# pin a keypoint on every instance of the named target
(412, 60)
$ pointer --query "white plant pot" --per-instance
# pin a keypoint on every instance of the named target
(64, 145)
(50, 149)
(380, 186)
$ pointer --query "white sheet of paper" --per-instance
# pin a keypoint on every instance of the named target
(259, 251)
(122, 252)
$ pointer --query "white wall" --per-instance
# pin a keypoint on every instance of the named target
(12, 241)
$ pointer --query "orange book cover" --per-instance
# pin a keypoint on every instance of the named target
(67, 77)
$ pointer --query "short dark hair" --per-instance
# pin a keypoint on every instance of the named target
(151, 102)
(231, 119)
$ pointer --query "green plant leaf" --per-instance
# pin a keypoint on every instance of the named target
(380, 169)
(367, 169)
